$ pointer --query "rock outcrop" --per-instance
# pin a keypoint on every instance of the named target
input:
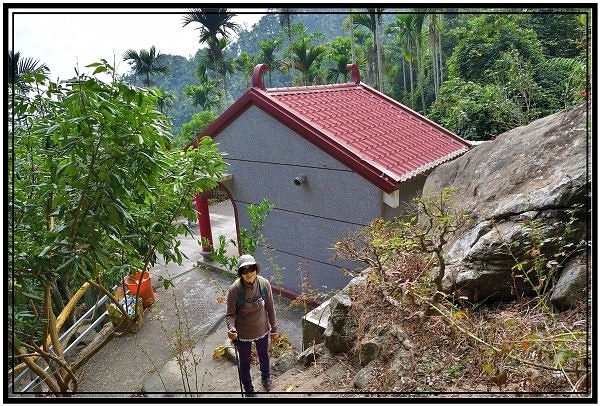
(340, 333)
(528, 195)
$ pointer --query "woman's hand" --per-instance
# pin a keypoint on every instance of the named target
(232, 335)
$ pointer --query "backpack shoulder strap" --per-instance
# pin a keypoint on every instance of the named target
(241, 297)
(262, 286)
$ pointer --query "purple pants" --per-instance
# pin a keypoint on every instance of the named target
(262, 348)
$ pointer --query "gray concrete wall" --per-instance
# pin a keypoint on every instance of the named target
(408, 191)
(265, 156)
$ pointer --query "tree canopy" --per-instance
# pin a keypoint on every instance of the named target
(95, 187)
(423, 58)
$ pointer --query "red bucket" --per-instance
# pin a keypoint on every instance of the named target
(144, 287)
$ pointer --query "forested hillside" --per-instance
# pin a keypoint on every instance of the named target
(477, 72)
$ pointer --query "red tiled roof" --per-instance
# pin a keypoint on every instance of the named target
(381, 139)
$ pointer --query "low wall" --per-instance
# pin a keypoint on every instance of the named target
(314, 324)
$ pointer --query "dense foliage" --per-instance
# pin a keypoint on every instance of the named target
(478, 73)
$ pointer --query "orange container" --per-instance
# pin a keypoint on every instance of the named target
(145, 287)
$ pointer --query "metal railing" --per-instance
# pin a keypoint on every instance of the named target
(35, 380)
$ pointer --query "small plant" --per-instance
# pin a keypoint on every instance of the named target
(279, 345)
(395, 247)
(378, 245)
(309, 296)
(540, 261)
(249, 238)
(220, 254)
(439, 219)
(258, 215)
(275, 269)
(183, 348)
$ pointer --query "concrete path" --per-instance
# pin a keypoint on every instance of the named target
(172, 353)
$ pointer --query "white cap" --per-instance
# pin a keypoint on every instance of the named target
(245, 260)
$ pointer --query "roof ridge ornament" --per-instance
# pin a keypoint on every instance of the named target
(355, 73)
(257, 79)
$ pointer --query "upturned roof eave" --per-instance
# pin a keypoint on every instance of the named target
(431, 165)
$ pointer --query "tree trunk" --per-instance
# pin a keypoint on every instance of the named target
(412, 84)
(420, 79)
(378, 55)
(352, 46)
(437, 280)
(441, 61)
(404, 72)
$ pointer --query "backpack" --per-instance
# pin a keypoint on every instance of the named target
(241, 297)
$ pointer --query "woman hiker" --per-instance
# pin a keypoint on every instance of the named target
(251, 318)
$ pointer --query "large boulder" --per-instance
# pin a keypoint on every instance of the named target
(572, 285)
(528, 195)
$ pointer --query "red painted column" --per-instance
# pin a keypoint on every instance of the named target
(204, 222)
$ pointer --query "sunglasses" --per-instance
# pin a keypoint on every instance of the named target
(248, 269)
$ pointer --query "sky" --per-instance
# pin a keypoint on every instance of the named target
(65, 38)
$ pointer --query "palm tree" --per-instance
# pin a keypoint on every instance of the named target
(417, 26)
(362, 42)
(435, 48)
(305, 56)
(267, 54)
(166, 100)
(203, 95)
(225, 66)
(408, 28)
(372, 21)
(215, 23)
(220, 67)
(18, 67)
(339, 69)
(352, 37)
(285, 21)
(245, 64)
(338, 56)
(146, 63)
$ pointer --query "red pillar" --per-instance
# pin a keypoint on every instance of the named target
(204, 222)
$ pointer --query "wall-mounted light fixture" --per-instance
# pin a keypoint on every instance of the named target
(300, 179)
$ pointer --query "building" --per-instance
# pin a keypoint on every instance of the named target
(330, 158)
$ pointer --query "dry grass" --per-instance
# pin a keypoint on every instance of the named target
(517, 349)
